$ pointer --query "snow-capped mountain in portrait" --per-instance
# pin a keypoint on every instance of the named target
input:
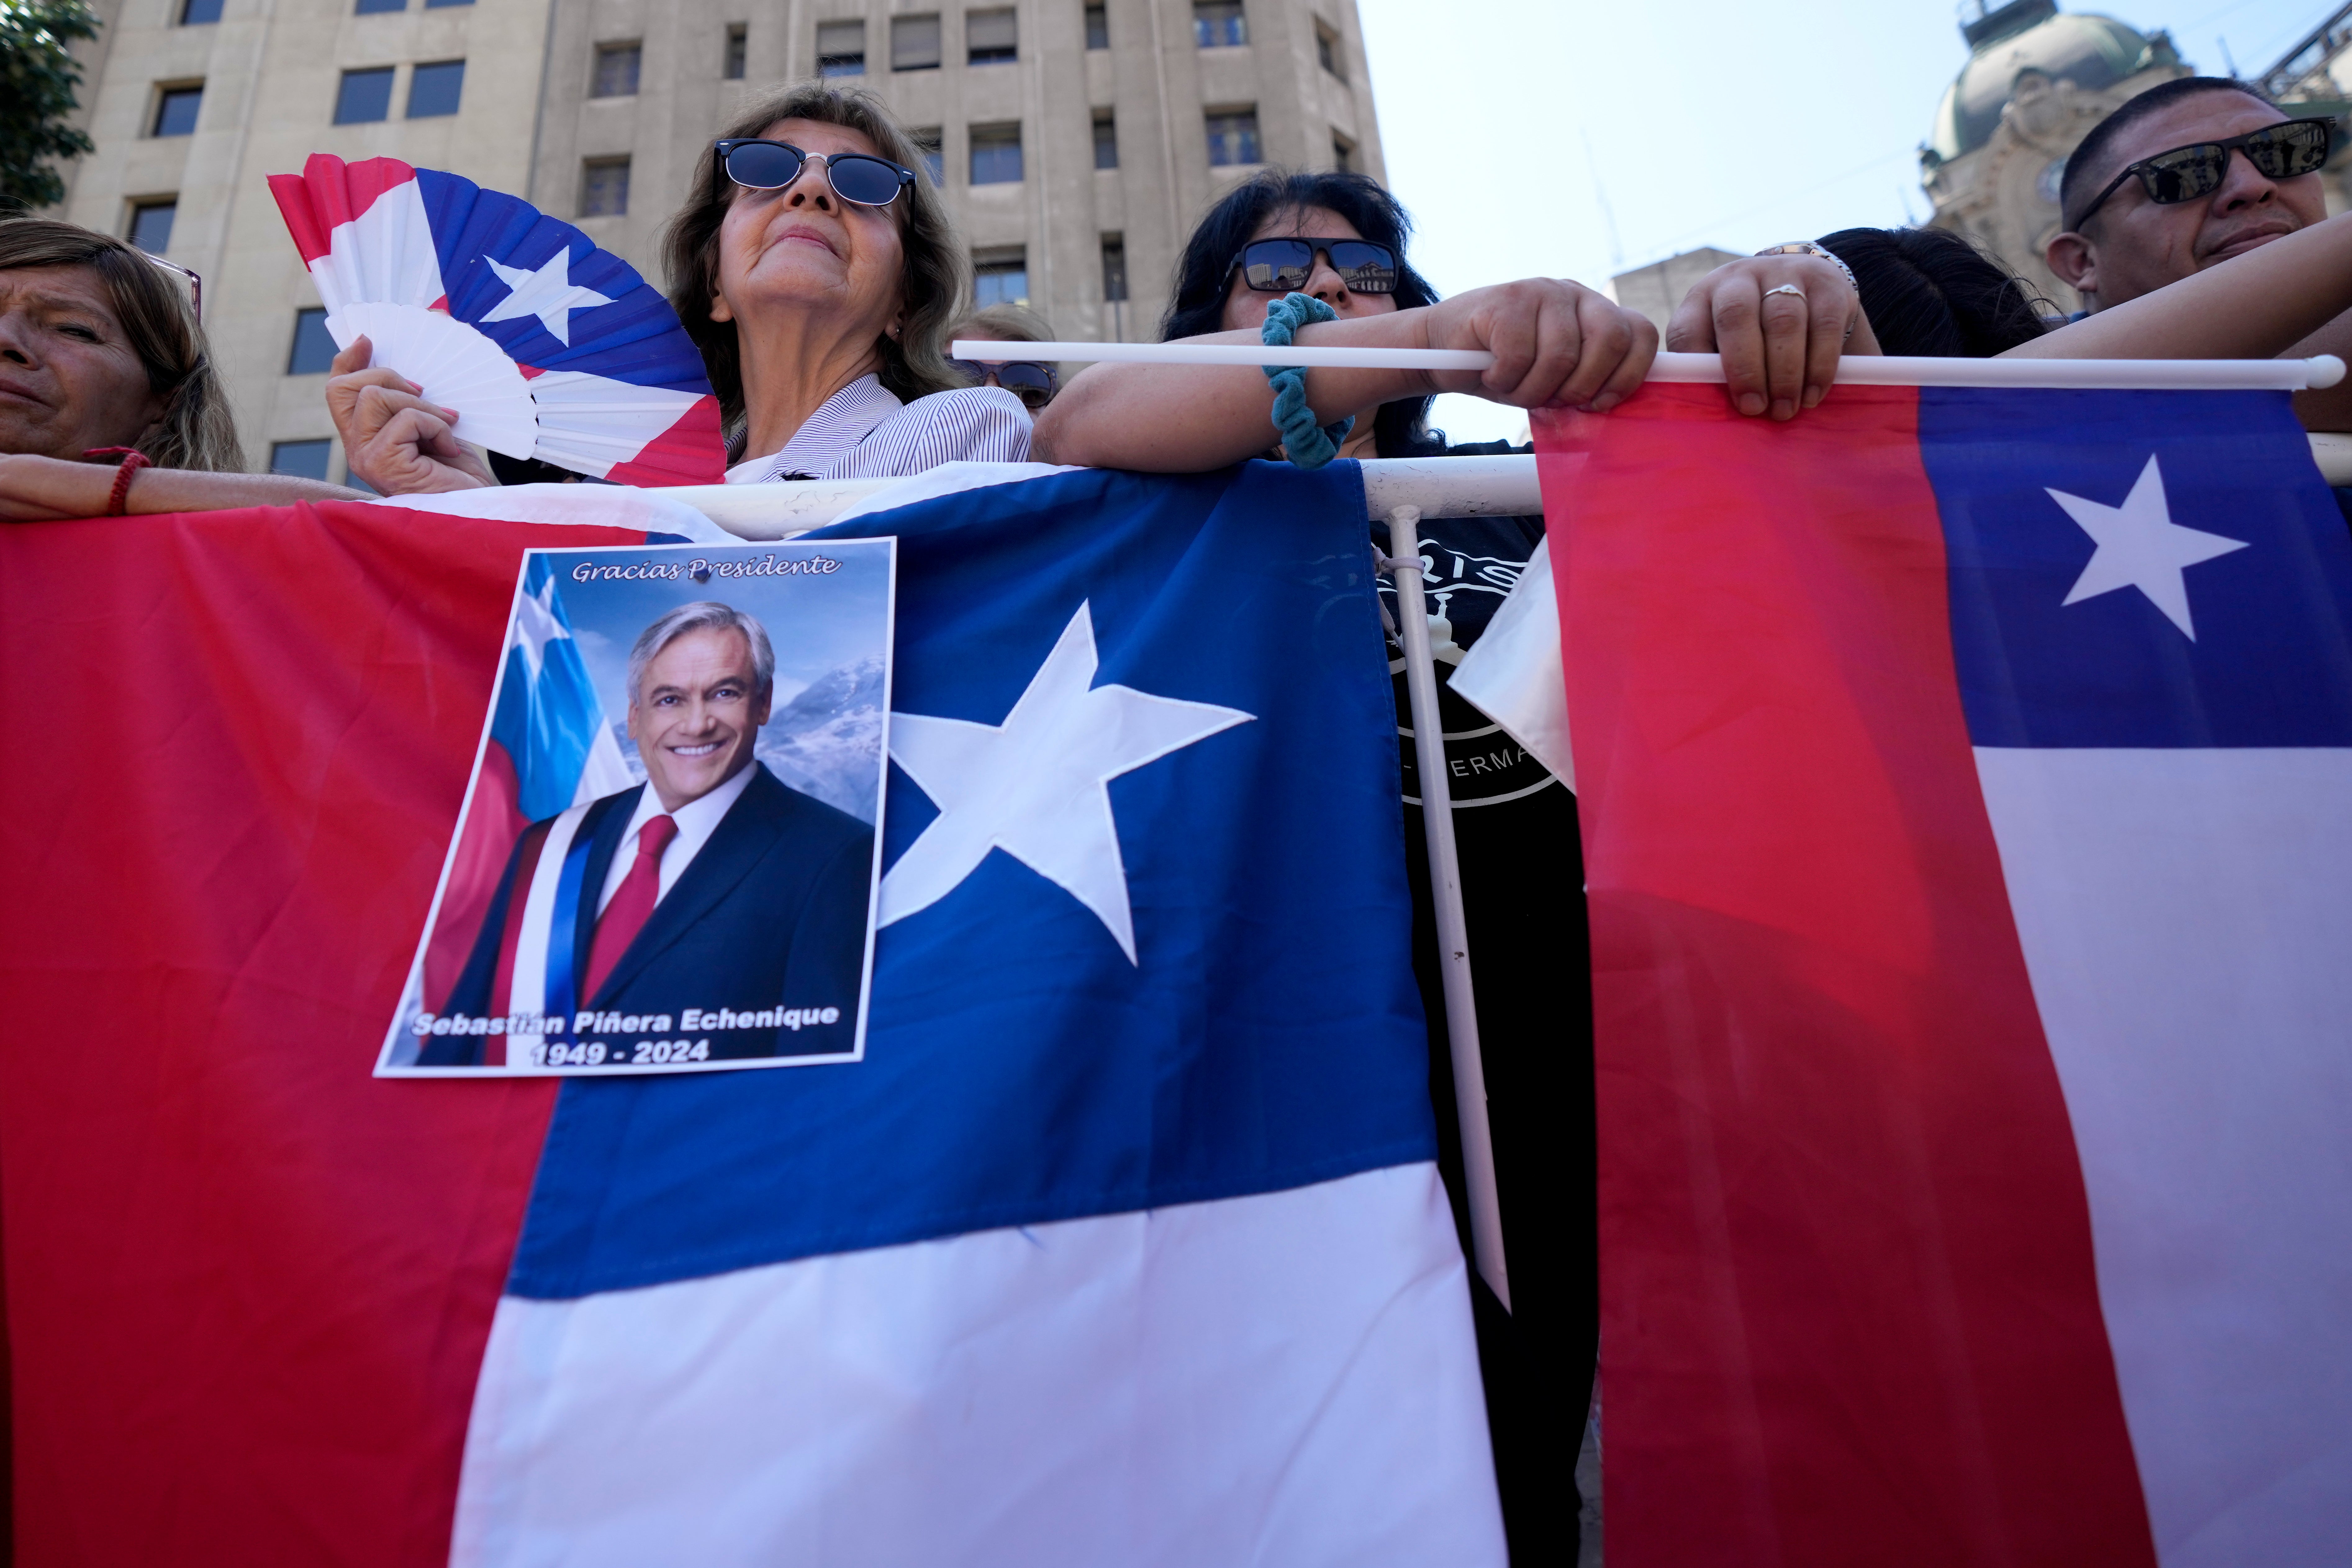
(827, 740)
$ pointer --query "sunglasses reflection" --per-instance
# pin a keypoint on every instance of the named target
(1033, 382)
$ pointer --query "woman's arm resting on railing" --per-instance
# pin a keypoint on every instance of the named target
(44, 489)
(1553, 342)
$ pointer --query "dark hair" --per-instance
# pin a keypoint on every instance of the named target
(1930, 291)
(915, 362)
(1206, 266)
(195, 430)
(2087, 167)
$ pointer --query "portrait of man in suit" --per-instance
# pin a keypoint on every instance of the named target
(712, 902)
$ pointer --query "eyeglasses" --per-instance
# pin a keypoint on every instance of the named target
(1282, 266)
(1031, 381)
(195, 284)
(858, 177)
(2278, 152)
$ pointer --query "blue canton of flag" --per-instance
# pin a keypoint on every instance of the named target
(549, 719)
(543, 291)
(1124, 1243)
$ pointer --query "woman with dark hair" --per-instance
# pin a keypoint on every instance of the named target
(1554, 341)
(815, 268)
(108, 400)
(1342, 239)
(1929, 291)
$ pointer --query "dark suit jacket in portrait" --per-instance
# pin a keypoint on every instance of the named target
(769, 916)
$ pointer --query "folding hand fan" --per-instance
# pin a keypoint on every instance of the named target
(545, 345)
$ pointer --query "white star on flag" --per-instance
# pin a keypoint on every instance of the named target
(548, 293)
(1036, 787)
(535, 627)
(2140, 546)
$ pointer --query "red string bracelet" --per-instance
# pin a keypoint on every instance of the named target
(134, 459)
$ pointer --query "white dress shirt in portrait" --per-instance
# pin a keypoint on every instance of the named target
(696, 821)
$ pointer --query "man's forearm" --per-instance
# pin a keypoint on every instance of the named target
(2264, 304)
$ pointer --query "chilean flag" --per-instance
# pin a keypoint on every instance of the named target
(1965, 779)
(550, 747)
(609, 385)
(1124, 1243)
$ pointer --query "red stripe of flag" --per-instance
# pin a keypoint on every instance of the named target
(248, 1285)
(1849, 1309)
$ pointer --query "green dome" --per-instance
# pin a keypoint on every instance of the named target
(2092, 51)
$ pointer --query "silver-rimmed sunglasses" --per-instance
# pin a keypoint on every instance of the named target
(858, 177)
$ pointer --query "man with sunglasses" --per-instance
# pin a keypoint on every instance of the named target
(2189, 175)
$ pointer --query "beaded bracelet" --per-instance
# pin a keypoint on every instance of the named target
(1304, 442)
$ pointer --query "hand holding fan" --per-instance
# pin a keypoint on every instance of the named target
(545, 345)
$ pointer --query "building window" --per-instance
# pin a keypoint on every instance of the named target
(314, 346)
(915, 43)
(1219, 24)
(301, 459)
(1097, 27)
(932, 144)
(365, 96)
(1343, 154)
(992, 37)
(196, 13)
(605, 187)
(1327, 50)
(370, 8)
(175, 110)
(150, 225)
(1106, 140)
(430, 5)
(737, 36)
(617, 70)
(1232, 138)
(999, 278)
(1114, 254)
(840, 49)
(996, 154)
(434, 90)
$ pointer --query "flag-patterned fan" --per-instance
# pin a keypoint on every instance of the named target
(547, 346)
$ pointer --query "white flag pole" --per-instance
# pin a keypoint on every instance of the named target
(1445, 887)
(1854, 370)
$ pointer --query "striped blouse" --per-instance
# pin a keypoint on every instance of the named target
(862, 432)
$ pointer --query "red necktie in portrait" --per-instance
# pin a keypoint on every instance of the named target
(632, 902)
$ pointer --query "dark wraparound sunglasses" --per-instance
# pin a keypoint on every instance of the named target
(1283, 266)
(1031, 381)
(2278, 152)
(859, 177)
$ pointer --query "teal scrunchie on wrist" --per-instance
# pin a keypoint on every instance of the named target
(1304, 442)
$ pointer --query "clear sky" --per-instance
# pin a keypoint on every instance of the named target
(1579, 138)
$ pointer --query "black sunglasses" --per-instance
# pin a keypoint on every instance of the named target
(2278, 152)
(859, 177)
(1031, 381)
(1284, 266)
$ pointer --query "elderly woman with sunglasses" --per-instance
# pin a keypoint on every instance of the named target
(109, 401)
(817, 272)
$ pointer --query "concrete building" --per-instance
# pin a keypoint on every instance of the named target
(1657, 288)
(1076, 141)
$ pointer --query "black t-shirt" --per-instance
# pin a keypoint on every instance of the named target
(1522, 884)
